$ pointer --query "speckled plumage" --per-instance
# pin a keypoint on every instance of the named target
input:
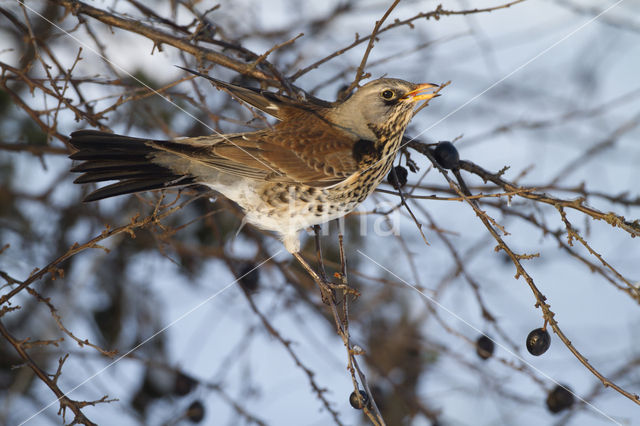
(316, 164)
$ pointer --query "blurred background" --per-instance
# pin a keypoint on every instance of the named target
(545, 91)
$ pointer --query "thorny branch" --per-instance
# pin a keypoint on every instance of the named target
(436, 14)
(162, 37)
(52, 382)
(491, 224)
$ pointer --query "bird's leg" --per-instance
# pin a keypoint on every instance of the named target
(323, 273)
(326, 288)
(343, 259)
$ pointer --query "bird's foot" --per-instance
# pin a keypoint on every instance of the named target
(327, 288)
(344, 287)
(328, 291)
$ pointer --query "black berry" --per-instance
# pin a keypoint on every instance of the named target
(560, 398)
(538, 341)
(363, 150)
(447, 155)
(484, 347)
(342, 92)
(358, 404)
(401, 173)
(183, 384)
(248, 277)
(195, 412)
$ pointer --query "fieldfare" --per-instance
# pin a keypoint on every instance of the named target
(317, 163)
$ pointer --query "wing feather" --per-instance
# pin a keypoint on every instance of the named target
(318, 155)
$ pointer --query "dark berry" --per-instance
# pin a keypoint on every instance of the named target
(195, 412)
(343, 93)
(447, 155)
(538, 341)
(363, 150)
(560, 398)
(484, 347)
(401, 173)
(248, 277)
(358, 404)
(183, 384)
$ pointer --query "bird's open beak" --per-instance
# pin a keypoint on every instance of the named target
(423, 92)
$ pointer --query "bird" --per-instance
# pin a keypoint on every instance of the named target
(318, 162)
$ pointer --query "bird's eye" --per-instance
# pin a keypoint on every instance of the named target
(387, 94)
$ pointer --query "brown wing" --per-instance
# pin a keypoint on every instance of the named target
(311, 152)
(318, 156)
(260, 156)
(303, 147)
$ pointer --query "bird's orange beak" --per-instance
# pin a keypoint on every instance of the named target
(423, 92)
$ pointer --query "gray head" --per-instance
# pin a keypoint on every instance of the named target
(380, 102)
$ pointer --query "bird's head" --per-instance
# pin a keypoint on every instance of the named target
(381, 104)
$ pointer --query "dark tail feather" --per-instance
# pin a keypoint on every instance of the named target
(107, 156)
